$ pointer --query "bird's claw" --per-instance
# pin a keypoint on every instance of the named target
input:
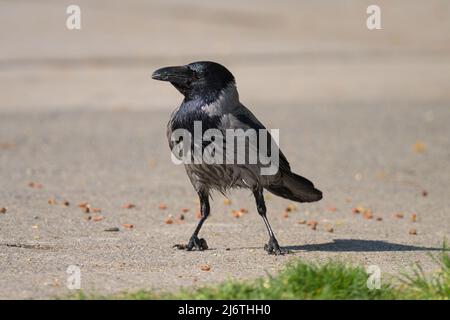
(272, 247)
(194, 243)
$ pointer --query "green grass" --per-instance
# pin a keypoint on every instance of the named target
(437, 286)
(333, 280)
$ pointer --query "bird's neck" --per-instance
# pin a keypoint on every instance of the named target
(214, 103)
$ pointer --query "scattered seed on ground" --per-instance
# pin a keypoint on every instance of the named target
(3, 210)
(291, 207)
(128, 206)
(413, 231)
(358, 210)
(127, 225)
(97, 218)
(226, 201)
(414, 217)
(205, 267)
(368, 215)
(236, 213)
(302, 221)
(418, 147)
(169, 220)
(35, 185)
(399, 215)
(312, 223)
(162, 206)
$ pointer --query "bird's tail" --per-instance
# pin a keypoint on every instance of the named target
(296, 188)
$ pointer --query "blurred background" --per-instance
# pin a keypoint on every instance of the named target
(296, 52)
(362, 113)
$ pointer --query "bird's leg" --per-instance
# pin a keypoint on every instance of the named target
(195, 242)
(272, 247)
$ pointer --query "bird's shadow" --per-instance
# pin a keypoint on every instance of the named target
(354, 245)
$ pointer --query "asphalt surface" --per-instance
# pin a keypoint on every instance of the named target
(109, 159)
(362, 114)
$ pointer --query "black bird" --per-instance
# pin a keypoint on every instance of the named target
(210, 96)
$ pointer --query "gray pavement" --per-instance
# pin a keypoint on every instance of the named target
(364, 115)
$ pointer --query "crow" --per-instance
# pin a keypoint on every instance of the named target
(211, 98)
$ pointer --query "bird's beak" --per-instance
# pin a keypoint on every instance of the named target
(178, 74)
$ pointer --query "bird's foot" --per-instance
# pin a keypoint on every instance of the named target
(194, 243)
(272, 247)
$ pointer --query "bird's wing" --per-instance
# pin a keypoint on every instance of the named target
(241, 117)
(170, 128)
(169, 134)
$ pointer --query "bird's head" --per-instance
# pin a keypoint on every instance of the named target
(202, 79)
